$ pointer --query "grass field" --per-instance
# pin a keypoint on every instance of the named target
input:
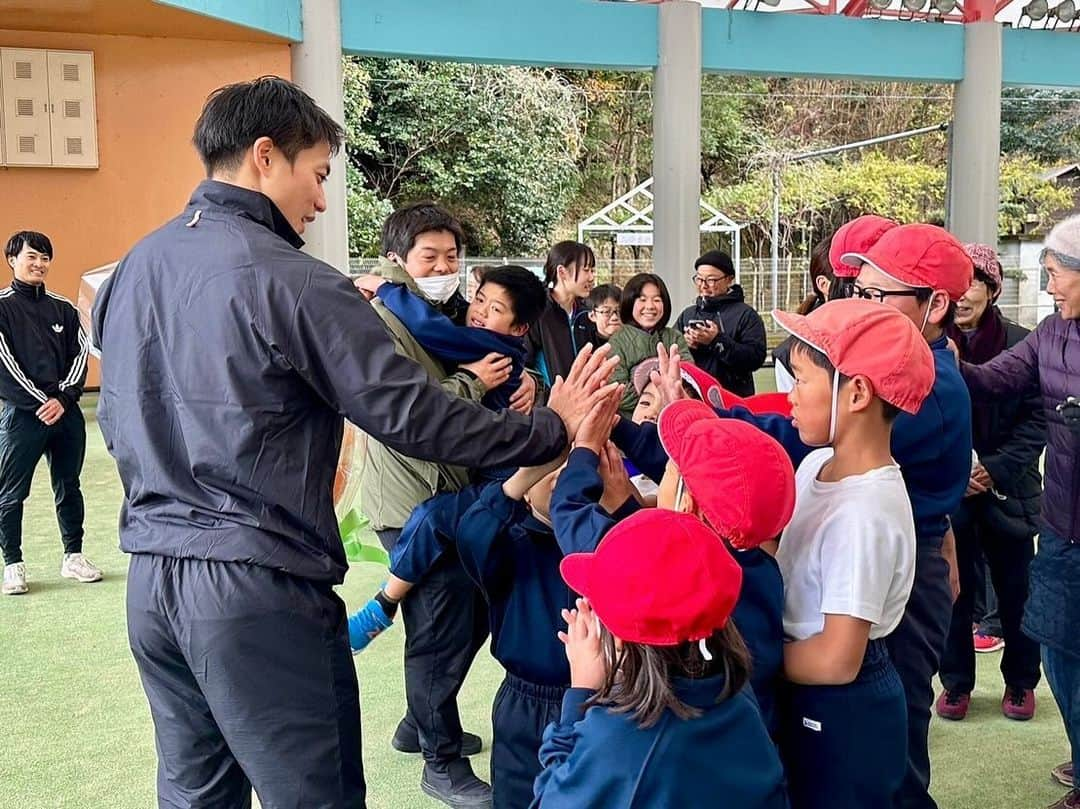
(77, 732)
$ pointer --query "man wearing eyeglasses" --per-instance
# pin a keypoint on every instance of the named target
(725, 335)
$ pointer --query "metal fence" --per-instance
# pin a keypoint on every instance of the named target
(755, 276)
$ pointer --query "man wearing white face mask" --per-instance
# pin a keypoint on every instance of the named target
(444, 615)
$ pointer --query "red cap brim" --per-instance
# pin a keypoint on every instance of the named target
(576, 571)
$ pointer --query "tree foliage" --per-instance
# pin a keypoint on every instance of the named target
(498, 145)
(1044, 124)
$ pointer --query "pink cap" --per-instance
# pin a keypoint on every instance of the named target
(864, 338)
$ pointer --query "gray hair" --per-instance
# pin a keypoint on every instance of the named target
(1063, 243)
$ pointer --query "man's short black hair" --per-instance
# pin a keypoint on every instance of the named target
(37, 241)
(237, 115)
(401, 228)
(527, 294)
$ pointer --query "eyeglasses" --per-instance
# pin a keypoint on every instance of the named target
(607, 313)
(709, 282)
(875, 294)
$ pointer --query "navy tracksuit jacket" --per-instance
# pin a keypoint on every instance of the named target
(597, 759)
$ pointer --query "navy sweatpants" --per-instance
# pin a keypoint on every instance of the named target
(24, 439)
(844, 746)
(251, 683)
(916, 647)
(521, 712)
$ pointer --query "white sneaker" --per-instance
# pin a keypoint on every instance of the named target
(14, 580)
(78, 567)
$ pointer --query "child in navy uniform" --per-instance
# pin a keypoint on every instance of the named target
(848, 555)
(502, 534)
(657, 714)
(740, 483)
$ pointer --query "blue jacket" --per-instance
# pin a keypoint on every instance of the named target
(514, 560)
(932, 447)
(759, 612)
(450, 343)
(229, 362)
(598, 759)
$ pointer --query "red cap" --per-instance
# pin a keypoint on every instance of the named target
(740, 477)
(856, 236)
(865, 338)
(658, 578)
(759, 404)
(920, 256)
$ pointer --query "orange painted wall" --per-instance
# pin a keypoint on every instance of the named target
(149, 93)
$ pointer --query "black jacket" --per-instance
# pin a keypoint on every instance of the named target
(1009, 444)
(42, 347)
(229, 359)
(550, 345)
(739, 350)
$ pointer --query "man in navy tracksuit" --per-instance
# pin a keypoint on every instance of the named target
(42, 371)
(229, 359)
(921, 270)
(512, 553)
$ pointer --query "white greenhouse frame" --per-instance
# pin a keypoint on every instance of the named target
(636, 210)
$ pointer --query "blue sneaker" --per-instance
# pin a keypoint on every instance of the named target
(366, 624)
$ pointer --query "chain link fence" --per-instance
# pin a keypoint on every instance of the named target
(1019, 300)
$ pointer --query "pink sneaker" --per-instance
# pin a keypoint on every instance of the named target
(952, 705)
(1018, 703)
(988, 643)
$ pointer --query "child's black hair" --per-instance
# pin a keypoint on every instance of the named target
(602, 293)
(818, 358)
(639, 676)
(633, 289)
(401, 227)
(565, 254)
(36, 241)
(526, 292)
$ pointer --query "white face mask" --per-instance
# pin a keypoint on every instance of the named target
(438, 288)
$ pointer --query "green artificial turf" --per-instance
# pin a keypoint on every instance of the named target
(77, 733)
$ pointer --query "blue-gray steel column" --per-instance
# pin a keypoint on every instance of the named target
(975, 138)
(677, 147)
(316, 66)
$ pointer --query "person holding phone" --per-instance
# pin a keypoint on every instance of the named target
(725, 335)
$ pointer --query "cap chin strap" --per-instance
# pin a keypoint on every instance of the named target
(833, 414)
(926, 317)
(680, 490)
(705, 650)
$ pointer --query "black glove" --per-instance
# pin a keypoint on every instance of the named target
(1070, 414)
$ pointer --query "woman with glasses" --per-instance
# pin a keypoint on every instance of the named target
(725, 335)
(1047, 361)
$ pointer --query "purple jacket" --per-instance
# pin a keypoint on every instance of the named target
(1048, 359)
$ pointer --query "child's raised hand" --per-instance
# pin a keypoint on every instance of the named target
(668, 378)
(596, 427)
(582, 639)
(617, 486)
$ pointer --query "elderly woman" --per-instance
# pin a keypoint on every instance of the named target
(1048, 360)
(997, 518)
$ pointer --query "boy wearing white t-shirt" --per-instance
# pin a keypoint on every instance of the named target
(848, 555)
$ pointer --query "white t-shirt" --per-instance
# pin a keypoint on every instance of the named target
(849, 549)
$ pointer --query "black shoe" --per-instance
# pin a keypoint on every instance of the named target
(406, 740)
(456, 785)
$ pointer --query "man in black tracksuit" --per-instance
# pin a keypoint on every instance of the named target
(229, 359)
(42, 371)
(726, 336)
